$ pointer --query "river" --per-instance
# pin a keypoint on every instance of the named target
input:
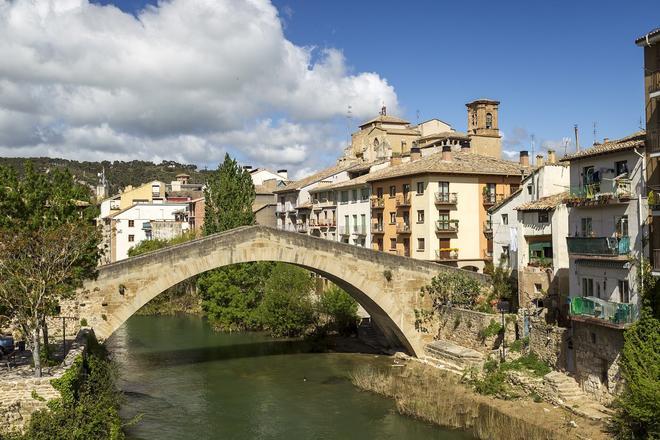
(188, 382)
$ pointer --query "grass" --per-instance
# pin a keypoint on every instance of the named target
(494, 380)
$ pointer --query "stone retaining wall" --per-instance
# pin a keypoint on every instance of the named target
(21, 396)
(548, 342)
(463, 327)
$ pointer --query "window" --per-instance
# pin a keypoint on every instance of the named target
(621, 226)
(443, 187)
(505, 219)
(586, 227)
(543, 217)
(363, 217)
(489, 120)
(365, 194)
(621, 167)
(379, 192)
(131, 238)
(624, 291)
(392, 218)
(588, 175)
(392, 191)
(529, 189)
(344, 197)
(538, 288)
(443, 216)
(420, 216)
(420, 188)
(393, 243)
(355, 223)
(587, 287)
(406, 189)
(420, 244)
(131, 223)
(355, 195)
(474, 119)
(406, 218)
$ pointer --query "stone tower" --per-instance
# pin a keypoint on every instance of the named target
(483, 128)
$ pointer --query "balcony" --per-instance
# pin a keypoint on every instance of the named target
(377, 228)
(540, 262)
(600, 193)
(288, 206)
(323, 203)
(446, 226)
(403, 228)
(280, 208)
(444, 198)
(327, 223)
(314, 224)
(490, 199)
(599, 246)
(403, 200)
(598, 311)
(344, 230)
(654, 85)
(360, 229)
(302, 227)
(488, 227)
(449, 254)
(377, 203)
(653, 142)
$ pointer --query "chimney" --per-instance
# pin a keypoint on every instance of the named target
(415, 154)
(395, 159)
(552, 157)
(524, 158)
(539, 160)
(284, 174)
(606, 140)
(446, 153)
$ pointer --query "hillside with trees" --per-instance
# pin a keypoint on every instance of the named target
(119, 174)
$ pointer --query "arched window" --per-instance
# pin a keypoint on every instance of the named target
(489, 120)
(376, 142)
(474, 119)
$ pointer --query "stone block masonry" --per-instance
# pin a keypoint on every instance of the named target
(20, 396)
(465, 327)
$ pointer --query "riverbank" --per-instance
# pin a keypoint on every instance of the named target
(431, 394)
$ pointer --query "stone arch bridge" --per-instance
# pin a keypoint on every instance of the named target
(386, 285)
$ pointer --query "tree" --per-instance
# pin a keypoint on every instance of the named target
(340, 309)
(287, 308)
(48, 246)
(231, 295)
(229, 196)
(453, 287)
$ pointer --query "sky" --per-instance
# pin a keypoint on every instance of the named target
(271, 82)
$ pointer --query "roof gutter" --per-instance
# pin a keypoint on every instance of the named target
(649, 39)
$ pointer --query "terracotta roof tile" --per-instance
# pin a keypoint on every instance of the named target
(544, 203)
(386, 119)
(323, 174)
(635, 140)
(461, 163)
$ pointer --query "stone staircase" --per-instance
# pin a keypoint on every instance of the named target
(573, 398)
(452, 357)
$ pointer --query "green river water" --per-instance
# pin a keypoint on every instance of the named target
(189, 382)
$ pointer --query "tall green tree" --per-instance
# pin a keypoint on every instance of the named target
(638, 407)
(340, 309)
(287, 308)
(229, 196)
(48, 246)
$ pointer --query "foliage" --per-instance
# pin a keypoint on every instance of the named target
(89, 407)
(493, 381)
(519, 344)
(153, 245)
(494, 328)
(502, 281)
(452, 287)
(638, 407)
(229, 197)
(118, 173)
(231, 295)
(341, 310)
(287, 308)
(530, 363)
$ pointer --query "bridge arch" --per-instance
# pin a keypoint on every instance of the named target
(385, 285)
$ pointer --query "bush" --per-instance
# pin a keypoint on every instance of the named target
(287, 308)
(519, 344)
(493, 329)
(529, 362)
(453, 287)
(340, 309)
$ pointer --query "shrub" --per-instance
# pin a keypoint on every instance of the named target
(340, 309)
(452, 287)
(494, 328)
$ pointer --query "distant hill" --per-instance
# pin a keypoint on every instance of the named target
(119, 174)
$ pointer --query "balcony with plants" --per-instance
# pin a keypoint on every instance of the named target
(377, 203)
(377, 228)
(599, 311)
(403, 228)
(403, 200)
(490, 198)
(601, 193)
(446, 254)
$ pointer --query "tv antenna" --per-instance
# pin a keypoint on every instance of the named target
(533, 145)
(595, 133)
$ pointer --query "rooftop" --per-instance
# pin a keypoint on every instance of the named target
(445, 135)
(544, 203)
(323, 174)
(635, 140)
(644, 40)
(387, 119)
(361, 180)
(461, 163)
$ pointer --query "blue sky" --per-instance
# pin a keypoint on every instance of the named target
(194, 79)
(552, 64)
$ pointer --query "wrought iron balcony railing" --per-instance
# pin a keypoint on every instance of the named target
(445, 198)
(403, 228)
(446, 254)
(446, 226)
(377, 202)
(403, 199)
(377, 228)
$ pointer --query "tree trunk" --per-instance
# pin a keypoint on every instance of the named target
(36, 355)
(44, 330)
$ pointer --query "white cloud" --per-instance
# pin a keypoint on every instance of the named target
(187, 80)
